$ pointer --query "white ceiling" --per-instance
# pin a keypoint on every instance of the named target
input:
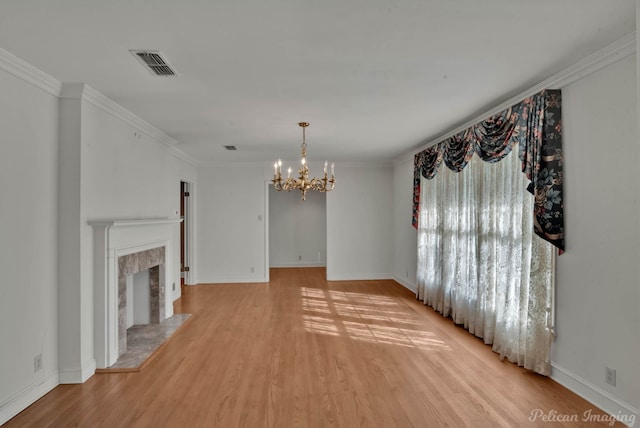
(375, 78)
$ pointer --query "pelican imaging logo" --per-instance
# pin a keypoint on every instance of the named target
(587, 416)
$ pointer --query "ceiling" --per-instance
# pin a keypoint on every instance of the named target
(375, 78)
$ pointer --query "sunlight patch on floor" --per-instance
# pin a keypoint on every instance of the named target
(364, 317)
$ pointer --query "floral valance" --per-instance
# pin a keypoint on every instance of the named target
(534, 125)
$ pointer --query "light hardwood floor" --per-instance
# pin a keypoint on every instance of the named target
(301, 352)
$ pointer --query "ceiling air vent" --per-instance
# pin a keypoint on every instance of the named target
(155, 63)
(230, 147)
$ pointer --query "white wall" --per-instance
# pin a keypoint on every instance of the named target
(231, 218)
(404, 234)
(360, 224)
(69, 293)
(597, 292)
(121, 172)
(233, 207)
(297, 229)
(128, 174)
(598, 317)
(28, 242)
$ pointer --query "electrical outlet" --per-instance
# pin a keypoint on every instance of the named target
(610, 376)
(174, 286)
(253, 270)
(299, 257)
(37, 363)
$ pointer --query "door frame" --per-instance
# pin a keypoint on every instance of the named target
(267, 226)
(187, 234)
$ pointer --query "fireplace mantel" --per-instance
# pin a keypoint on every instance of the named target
(133, 222)
(113, 238)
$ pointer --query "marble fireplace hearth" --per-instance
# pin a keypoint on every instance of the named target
(143, 341)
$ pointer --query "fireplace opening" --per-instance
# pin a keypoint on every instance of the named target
(140, 291)
(138, 299)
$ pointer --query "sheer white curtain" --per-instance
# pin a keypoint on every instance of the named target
(480, 263)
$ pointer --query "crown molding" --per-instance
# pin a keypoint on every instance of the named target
(82, 91)
(30, 74)
(603, 58)
(222, 164)
(364, 164)
(72, 91)
(27, 72)
(101, 101)
(312, 164)
(92, 96)
(180, 155)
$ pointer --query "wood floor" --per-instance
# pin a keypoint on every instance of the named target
(301, 352)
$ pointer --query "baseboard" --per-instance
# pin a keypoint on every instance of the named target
(28, 396)
(360, 277)
(298, 264)
(81, 375)
(406, 284)
(231, 280)
(621, 410)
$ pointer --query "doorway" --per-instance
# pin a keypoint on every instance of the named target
(297, 230)
(185, 194)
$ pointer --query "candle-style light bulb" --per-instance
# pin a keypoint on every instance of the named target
(303, 161)
(325, 167)
(332, 167)
(275, 168)
(289, 173)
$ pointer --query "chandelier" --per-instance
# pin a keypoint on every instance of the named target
(302, 183)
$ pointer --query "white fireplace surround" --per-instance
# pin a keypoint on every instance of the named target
(113, 239)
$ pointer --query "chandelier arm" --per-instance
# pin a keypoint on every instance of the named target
(277, 182)
(318, 184)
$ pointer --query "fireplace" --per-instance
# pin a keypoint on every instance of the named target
(123, 248)
(128, 265)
